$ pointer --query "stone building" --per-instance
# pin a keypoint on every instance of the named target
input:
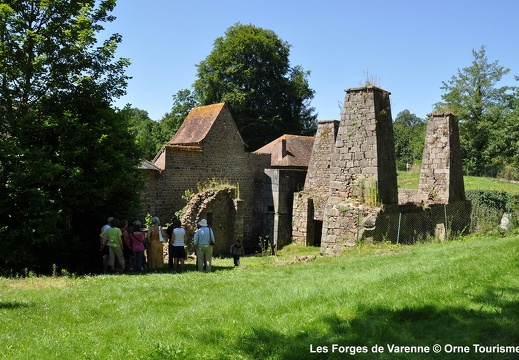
(290, 155)
(208, 146)
(351, 192)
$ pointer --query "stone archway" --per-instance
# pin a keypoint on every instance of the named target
(219, 207)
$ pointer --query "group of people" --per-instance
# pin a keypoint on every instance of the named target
(128, 245)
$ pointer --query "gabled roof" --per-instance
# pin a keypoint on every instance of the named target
(290, 151)
(146, 165)
(197, 124)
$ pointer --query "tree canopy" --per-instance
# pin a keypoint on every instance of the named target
(409, 132)
(481, 106)
(249, 69)
(67, 159)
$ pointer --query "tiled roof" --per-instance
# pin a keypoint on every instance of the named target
(296, 152)
(197, 124)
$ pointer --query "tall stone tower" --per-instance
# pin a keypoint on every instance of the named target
(441, 176)
(310, 203)
(363, 167)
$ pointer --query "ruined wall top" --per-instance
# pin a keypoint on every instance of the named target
(441, 175)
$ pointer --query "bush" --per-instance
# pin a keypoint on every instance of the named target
(488, 207)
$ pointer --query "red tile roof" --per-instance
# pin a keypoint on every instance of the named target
(197, 124)
(296, 154)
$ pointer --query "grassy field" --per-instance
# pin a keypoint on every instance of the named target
(453, 294)
(409, 180)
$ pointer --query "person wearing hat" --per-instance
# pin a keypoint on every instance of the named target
(204, 241)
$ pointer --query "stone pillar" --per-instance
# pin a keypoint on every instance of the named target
(318, 175)
(441, 176)
(364, 159)
(363, 167)
(309, 204)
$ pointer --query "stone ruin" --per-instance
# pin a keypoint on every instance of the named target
(351, 192)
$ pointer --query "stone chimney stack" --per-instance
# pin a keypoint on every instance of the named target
(363, 167)
(364, 150)
(283, 151)
(441, 176)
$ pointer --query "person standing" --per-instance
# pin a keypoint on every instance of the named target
(169, 232)
(138, 246)
(177, 251)
(104, 249)
(204, 242)
(237, 251)
(127, 244)
(155, 234)
(113, 238)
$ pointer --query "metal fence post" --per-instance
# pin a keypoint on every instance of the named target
(398, 231)
(446, 228)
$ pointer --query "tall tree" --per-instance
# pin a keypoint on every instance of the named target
(249, 69)
(66, 157)
(183, 101)
(147, 132)
(409, 132)
(473, 96)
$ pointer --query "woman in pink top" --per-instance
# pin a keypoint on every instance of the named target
(137, 237)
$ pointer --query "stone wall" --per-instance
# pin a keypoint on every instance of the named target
(363, 167)
(222, 212)
(279, 188)
(310, 203)
(319, 169)
(363, 202)
(441, 176)
(221, 156)
(151, 179)
(303, 228)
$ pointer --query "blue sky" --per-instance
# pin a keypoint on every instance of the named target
(409, 47)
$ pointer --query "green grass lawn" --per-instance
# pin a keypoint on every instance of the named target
(457, 293)
(409, 180)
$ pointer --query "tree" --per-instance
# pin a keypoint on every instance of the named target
(146, 132)
(183, 102)
(66, 157)
(473, 97)
(249, 69)
(409, 131)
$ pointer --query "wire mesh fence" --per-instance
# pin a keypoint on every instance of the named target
(414, 224)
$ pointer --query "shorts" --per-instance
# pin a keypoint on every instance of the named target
(178, 252)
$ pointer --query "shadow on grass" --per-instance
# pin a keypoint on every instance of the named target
(493, 322)
(190, 267)
(13, 305)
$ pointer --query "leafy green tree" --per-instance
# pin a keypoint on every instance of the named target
(183, 102)
(249, 69)
(67, 159)
(409, 132)
(147, 132)
(503, 146)
(480, 105)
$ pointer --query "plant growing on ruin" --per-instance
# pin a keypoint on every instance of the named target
(217, 183)
(147, 220)
(188, 194)
(366, 191)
